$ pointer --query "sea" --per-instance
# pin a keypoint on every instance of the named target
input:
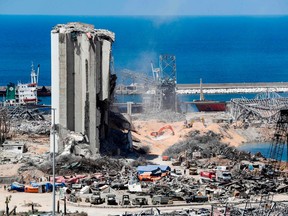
(218, 49)
(263, 148)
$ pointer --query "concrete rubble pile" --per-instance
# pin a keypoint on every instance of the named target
(74, 143)
(9, 157)
(21, 112)
(32, 127)
(120, 140)
(25, 120)
(71, 164)
(209, 145)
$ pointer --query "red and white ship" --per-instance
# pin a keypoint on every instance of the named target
(23, 93)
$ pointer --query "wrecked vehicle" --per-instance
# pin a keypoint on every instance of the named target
(119, 186)
(111, 199)
(178, 172)
(73, 198)
(208, 175)
(15, 186)
(223, 176)
(195, 198)
(156, 200)
(193, 171)
(139, 201)
(125, 199)
(176, 196)
(96, 198)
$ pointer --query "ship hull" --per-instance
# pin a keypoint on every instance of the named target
(40, 93)
(210, 106)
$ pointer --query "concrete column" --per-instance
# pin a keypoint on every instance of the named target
(62, 80)
(55, 84)
(70, 82)
(79, 88)
(94, 88)
(105, 72)
(129, 108)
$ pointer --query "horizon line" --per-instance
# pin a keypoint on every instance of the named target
(151, 15)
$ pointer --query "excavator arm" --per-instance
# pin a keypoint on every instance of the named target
(161, 131)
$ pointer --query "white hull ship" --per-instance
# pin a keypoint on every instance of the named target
(23, 93)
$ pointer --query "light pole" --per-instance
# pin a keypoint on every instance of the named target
(53, 132)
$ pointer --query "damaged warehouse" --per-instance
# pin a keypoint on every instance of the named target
(82, 83)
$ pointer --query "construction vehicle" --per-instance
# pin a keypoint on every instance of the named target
(162, 130)
(125, 199)
(178, 161)
(111, 199)
(160, 199)
(188, 124)
(139, 201)
(96, 198)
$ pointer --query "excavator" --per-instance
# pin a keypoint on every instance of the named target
(188, 124)
(162, 130)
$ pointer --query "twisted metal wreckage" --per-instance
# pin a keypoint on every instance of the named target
(264, 107)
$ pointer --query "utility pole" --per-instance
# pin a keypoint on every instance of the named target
(8, 199)
(54, 133)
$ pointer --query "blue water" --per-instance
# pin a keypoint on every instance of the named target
(217, 49)
(263, 148)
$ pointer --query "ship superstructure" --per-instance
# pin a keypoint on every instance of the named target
(23, 93)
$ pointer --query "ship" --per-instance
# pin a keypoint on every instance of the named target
(204, 105)
(23, 93)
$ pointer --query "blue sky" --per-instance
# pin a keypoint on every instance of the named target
(145, 7)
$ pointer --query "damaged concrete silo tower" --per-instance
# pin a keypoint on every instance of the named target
(80, 80)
